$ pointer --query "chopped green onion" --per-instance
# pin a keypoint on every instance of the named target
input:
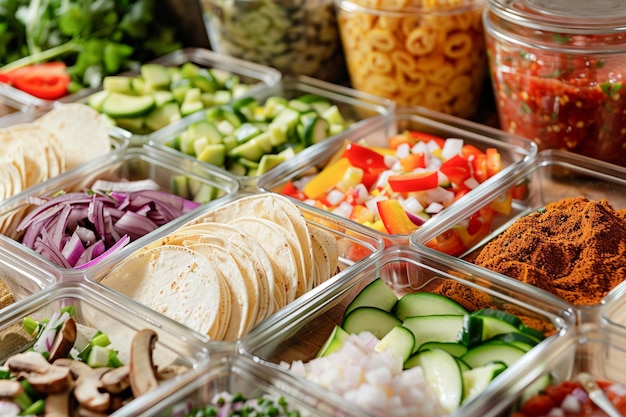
(70, 309)
(30, 325)
(100, 339)
(35, 408)
(98, 357)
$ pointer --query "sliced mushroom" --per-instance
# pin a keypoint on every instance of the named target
(58, 404)
(87, 391)
(28, 362)
(142, 370)
(56, 379)
(77, 368)
(64, 340)
(84, 412)
(116, 380)
(10, 389)
(43, 376)
(170, 371)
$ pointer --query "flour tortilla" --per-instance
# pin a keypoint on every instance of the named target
(284, 213)
(277, 246)
(242, 301)
(83, 132)
(255, 253)
(329, 242)
(177, 282)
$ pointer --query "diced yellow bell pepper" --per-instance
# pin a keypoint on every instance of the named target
(351, 178)
(327, 178)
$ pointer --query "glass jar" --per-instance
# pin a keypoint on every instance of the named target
(428, 53)
(558, 70)
(297, 37)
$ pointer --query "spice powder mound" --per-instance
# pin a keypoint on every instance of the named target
(574, 248)
(6, 298)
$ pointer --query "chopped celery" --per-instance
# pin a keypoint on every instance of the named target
(35, 408)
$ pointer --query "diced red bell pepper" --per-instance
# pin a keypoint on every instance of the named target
(457, 169)
(426, 137)
(469, 150)
(394, 218)
(479, 165)
(290, 190)
(538, 405)
(448, 242)
(364, 157)
(413, 182)
(47, 81)
(494, 162)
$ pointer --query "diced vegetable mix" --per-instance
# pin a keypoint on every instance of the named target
(451, 354)
(91, 39)
(248, 138)
(160, 95)
(396, 189)
(80, 229)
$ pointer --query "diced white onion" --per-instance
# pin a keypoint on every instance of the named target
(344, 209)
(403, 150)
(411, 204)
(334, 197)
(434, 208)
(571, 404)
(451, 147)
(471, 183)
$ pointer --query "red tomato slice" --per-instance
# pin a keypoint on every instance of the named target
(47, 81)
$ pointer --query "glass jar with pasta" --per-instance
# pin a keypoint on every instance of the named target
(297, 37)
(558, 70)
(428, 53)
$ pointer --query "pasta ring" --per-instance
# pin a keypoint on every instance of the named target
(380, 40)
(420, 42)
(458, 45)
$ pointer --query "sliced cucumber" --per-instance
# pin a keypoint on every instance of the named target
(400, 340)
(454, 348)
(490, 352)
(376, 294)
(512, 319)
(214, 154)
(334, 342)
(315, 130)
(426, 304)
(157, 76)
(374, 320)
(445, 328)
(444, 375)
(117, 84)
(515, 337)
(477, 379)
(163, 116)
(119, 105)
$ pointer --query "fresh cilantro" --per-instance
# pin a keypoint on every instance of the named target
(525, 108)
(560, 38)
(94, 38)
(610, 89)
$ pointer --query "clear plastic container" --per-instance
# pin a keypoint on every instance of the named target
(553, 176)
(515, 153)
(597, 350)
(356, 109)
(417, 53)
(297, 37)
(175, 174)
(240, 77)
(303, 328)
(354, 245)
(237, 374)
(558, 71)
(100, 309)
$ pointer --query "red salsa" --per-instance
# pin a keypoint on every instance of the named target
(569, 399)
(575, 102)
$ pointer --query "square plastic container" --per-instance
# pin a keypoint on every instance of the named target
(99, 309)
(554, 175)
(175, 175)
(302, 329)
(237, 72)
(237, 374)
(598, 350)
(356, 109)
(354, 245)
(515, 153)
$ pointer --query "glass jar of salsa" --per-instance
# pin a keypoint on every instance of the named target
(558, 69)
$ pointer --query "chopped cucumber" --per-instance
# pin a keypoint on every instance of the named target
(374, 320)
(426, 304)
(400, 340)
(489, 352)
(444, 375)
(119, 105)
(163, 116)
(445, 328)
(454, 348)
(334, 342)
(376, 294)
(117, 84)
(157, 77)
(477, 379)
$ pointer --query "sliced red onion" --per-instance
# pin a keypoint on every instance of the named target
(416, 220)
(118, 245)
